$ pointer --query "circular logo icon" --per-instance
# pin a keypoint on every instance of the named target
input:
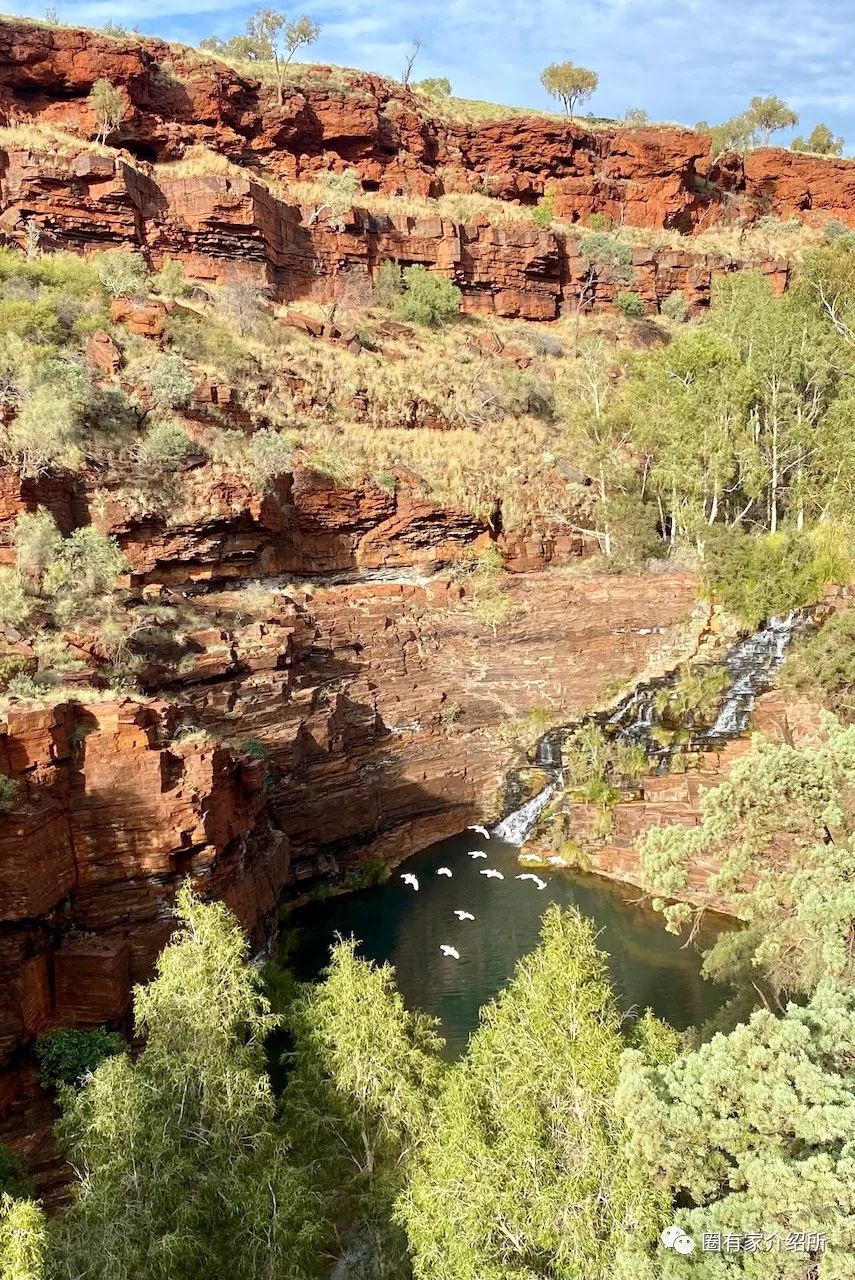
(675, 1238)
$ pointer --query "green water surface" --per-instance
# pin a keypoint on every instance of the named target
(649, 967)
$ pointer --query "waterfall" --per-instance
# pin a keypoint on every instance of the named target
(516, 826)
(751, 662)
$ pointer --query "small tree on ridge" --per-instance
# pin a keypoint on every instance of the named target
(108, 107)
(569, 83)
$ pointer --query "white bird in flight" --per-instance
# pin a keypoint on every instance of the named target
(443, 871)
(527, 875)
(492, 873)
(482, 831)
(409, 878)
(476, 853)
(449, 951)
(464, 915)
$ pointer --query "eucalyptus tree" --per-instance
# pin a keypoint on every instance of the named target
(522, 1175)
(182, 1169)
(364, 1076)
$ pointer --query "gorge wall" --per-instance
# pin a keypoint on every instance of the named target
(227, 227)
(338, 724)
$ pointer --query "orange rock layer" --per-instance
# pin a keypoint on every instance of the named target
(232, 229)
(378, 706)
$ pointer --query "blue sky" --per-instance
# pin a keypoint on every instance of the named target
(679, 59)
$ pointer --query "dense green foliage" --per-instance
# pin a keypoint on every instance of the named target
(72, 576)
(821, 141)
(747, 436)
(23, 1238)
(521, 1174)
(67, 1056)
(822, 665)
(782, 829)
(364, 1076)
(182, 1168)
(755, 1132)
(427, 299)
(12, 1180)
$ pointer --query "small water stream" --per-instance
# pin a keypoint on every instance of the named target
(407, 927)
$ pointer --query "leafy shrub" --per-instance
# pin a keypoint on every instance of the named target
(165, 447)
(166, 380)
(341, 191)
(436, 87)
(87, 565)
(600, 222)
(759, 577)
(37, 543)
(674, 306)
(67, 1056)
(450, 713)
(44, 434)
(495, 610)
(15, 605)
(823, 665)
(66, 271)
(29, 319)
(428, 299)
(388, 284)
(544, 211)
(599, 247)
(122, 271)
(169, 281)
(8, 791)
(12, 1180)
(12, 665)
(629, 304)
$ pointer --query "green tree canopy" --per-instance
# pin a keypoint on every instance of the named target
(521, 1174)
(570, 84)
(363, 1080)
(182, 1167)
(437, 87)
(821, 141)
(755, 1132)
(768, 115)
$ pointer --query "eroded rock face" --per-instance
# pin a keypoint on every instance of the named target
(378, 705)
(676, 798)
(228, 230)
(653, 177)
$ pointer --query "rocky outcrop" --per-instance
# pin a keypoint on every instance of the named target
(326, 727)
(233, 230)
(329, 118)
(675, 798)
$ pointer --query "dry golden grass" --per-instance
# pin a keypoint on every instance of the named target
(202, 162)
(27, 135)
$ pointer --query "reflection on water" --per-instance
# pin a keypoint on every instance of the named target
(649, 968)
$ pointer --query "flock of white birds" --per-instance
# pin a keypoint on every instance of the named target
(490, 872)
